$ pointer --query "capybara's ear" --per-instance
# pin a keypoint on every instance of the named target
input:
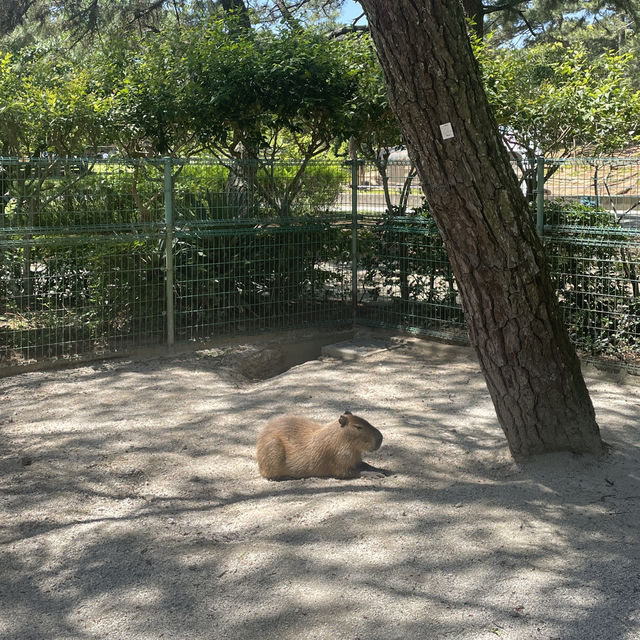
(343, 419)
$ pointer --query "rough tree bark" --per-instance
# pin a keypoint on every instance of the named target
(515, 325)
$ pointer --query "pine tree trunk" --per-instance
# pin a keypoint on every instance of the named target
(514, 321)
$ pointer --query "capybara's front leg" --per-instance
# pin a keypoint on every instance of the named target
(366, 467)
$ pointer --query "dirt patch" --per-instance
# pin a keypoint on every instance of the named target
(132, 508)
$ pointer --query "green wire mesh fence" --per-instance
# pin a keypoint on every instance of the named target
(110, 255)
(259, 248)
(80, 270)
(404, 276)
(591, 215)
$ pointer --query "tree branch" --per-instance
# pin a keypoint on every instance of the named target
(503, 6)
(352, 28)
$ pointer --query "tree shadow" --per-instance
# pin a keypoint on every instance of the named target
(143, 516)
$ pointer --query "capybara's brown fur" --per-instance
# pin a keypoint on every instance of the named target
(294, 447)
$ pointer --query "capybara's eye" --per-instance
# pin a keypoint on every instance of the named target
(358, 427)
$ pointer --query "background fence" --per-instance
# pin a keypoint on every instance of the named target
(100, 255)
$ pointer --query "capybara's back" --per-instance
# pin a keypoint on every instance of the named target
(291, 446)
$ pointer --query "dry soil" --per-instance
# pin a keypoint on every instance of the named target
(131, 508)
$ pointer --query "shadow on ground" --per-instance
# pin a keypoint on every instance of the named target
(132, 508)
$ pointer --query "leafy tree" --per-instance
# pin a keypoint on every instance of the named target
(264, 95)
(251, 89)
(84, 19)
(539, 21)
(371, 125)
(48, 106)
(49, 110)
(148, 84)
(552, 100)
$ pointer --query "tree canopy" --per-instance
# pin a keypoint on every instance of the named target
(262, 77)
(553, 100)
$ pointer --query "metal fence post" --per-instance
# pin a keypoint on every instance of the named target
(540, 196)
(169, 228)
(355, 165)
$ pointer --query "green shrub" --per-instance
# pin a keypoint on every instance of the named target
(595, 277)
(405, 260)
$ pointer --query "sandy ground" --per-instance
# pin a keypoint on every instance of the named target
(131, 508)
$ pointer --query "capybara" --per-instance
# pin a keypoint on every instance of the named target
(294, 447)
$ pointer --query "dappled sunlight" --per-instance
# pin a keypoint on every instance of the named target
(132, 507)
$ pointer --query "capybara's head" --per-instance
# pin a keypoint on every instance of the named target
(359, 432)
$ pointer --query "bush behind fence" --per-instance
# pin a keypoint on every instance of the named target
(100, 255)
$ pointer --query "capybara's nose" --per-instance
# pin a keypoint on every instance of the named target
(378, 441)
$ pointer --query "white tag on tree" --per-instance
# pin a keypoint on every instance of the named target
(446, 130)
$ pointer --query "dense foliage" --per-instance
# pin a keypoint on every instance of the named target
(254, 84)
(554, 100)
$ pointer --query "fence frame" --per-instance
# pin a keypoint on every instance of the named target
(356, 224)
